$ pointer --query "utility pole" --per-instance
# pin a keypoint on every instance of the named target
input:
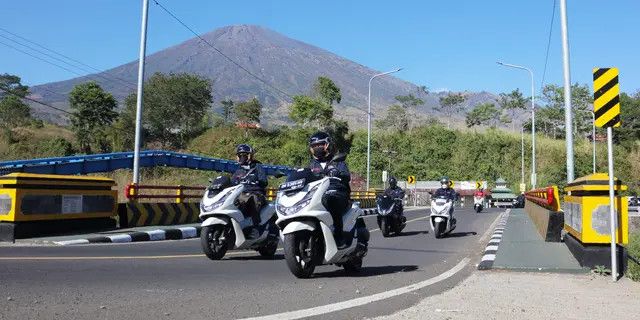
(143, 48)
(567, 90)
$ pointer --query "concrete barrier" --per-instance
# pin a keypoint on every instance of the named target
(542, 206)
(36, 205)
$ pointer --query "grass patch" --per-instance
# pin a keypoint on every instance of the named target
(633, 269)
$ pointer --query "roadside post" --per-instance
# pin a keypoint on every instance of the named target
(411, 180)
(606, 108)
(385, 176)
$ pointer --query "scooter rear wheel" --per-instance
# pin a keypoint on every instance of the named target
(212, 246)
(298, 252)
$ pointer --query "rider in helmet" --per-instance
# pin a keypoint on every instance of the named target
(446, 191)
(394, 191)
(337, 197)
(252, 175)
(479, 193)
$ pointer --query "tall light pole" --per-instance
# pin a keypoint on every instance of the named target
(533, 121)
(522, 155)
(369, 122)
(567, 90)
(143, 48)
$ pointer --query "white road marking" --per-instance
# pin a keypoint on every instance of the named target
(491, 248)
(68, 242)
(320, 310)
(491, 228)
(487, 257)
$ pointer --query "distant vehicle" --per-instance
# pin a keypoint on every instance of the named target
(390, 218)
(224, 224)
(478, 203)
(501, 196)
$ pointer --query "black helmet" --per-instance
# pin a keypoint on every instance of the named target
(445, 182)
(393, 182)
(320, 145)
(244, 148)
(244, 153)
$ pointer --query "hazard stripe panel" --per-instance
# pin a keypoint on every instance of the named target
(606, 97)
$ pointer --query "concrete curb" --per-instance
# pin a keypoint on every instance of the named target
(492, 247)
(137, 236)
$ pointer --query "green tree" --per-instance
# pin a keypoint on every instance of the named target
(483, 114)
(409, 101)
(327, 91)
(227, 110)
(450, 104)
(248, 112)
(93, 111)
(581, 104)
(122, 132)
(13, 111)
(310, 112)
(396, 119)
(175, 107)
(511, 103)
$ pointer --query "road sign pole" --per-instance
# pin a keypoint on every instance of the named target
(612, 211)
(138, 130)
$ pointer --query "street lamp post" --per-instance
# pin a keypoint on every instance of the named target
(522, 155)
(369, 122)
(533, 121)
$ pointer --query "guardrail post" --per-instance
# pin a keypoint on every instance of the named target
(179, 193)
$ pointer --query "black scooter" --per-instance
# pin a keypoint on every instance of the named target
(390, 217)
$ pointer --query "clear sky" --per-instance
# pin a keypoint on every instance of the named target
(450, 45)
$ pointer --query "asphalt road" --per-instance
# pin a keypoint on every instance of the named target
(172, 279)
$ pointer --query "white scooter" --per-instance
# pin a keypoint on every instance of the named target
(307, 227)
(478, 203)
(223, 223)
(440, 218)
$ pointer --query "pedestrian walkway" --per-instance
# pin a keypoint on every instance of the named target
(523, 249)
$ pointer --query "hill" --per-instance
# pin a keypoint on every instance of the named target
(287, 64)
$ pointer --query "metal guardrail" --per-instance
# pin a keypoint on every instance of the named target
(545, 197)
(86, 164)
(178, 193)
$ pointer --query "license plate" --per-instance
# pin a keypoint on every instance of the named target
(292, 185)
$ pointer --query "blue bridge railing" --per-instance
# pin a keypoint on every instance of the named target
(107, 162)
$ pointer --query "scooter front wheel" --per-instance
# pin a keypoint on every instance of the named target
(299, 253)
(384, 227)
(214, 242)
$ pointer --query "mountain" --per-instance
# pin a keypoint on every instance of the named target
(287, 64)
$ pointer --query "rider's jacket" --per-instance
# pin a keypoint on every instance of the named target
(448, 193)
(252, 176)
(336, 169)
(396, 193)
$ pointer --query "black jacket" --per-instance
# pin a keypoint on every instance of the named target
(252, 176)
(336, 169)
(396, 193)
(448, 193)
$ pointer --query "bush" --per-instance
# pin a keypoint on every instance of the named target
(633, 269)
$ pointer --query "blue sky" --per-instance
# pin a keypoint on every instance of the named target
(449, 45)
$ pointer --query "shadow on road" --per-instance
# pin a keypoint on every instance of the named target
(461, 234)
(367, 271)
(411, 250)
(411, 233)
(257, 256)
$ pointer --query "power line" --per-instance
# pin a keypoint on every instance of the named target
(41, 59)
(65, 62)
(65, 56)
(546, 59)
(36, 101)
(221, 53)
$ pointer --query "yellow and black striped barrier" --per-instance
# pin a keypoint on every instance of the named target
(606, 97)
(138, 214)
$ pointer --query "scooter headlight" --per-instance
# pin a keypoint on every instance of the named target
(284, 210)
(215, 205)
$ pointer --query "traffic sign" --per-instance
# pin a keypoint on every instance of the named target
(606, 97)
(411, 179)
(478, 184)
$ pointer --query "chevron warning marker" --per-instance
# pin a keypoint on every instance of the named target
(606, 97)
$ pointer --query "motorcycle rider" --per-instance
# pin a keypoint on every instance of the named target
(394, 191)
(447, 192)
(253, 198)
(337, 197)
(479, 193)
